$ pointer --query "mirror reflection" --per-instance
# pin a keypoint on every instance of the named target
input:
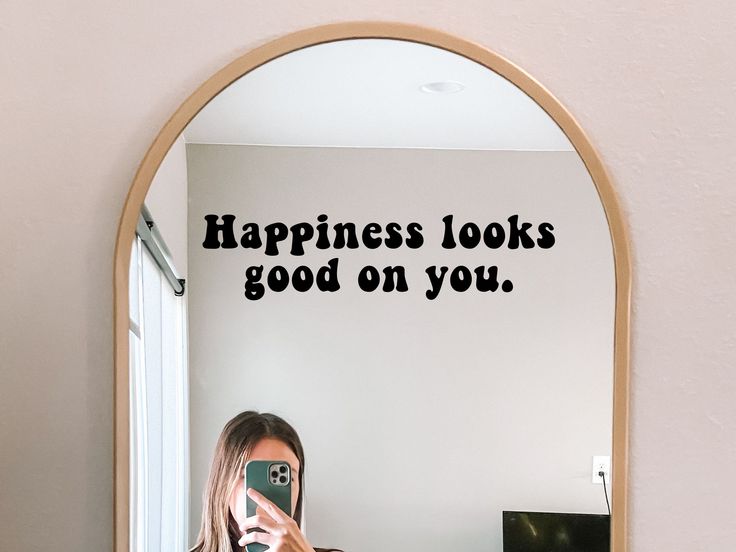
(374, 282)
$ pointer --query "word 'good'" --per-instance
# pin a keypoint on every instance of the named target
(372, 235)
(302, 279)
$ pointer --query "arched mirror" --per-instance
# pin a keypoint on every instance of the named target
(387, 262)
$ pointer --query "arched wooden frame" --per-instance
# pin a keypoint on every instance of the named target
(345, 31)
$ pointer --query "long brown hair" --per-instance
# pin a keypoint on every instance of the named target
(234, 446)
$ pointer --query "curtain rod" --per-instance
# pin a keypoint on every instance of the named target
(154, 242)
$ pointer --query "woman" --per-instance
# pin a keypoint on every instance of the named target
(252, 436)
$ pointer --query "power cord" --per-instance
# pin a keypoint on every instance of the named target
(602, 475)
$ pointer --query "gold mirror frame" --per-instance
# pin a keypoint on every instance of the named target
(345, 31)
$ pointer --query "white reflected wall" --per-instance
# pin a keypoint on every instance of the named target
(422, 420)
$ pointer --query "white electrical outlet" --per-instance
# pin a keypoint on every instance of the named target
(601, 464)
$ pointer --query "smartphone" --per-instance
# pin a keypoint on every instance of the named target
(271, 478)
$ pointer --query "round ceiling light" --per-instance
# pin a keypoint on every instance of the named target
(442, 87)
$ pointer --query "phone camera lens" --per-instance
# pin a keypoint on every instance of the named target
(282, 479)
(282, 469)
(274, 474)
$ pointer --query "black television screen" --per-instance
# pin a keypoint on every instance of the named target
(556, 532)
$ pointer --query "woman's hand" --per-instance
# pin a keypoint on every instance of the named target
(282, 534)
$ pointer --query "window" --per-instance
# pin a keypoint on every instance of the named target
(159, 454)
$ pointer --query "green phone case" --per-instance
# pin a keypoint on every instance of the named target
(256, 477)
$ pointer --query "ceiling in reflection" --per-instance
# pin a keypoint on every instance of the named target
(376, 93)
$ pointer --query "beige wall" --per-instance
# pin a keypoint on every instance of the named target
(86, 86)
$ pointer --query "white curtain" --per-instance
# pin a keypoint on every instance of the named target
(159, 416)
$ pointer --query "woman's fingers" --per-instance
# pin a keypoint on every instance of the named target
(269, 507)
(257, 536)
(261, 521)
